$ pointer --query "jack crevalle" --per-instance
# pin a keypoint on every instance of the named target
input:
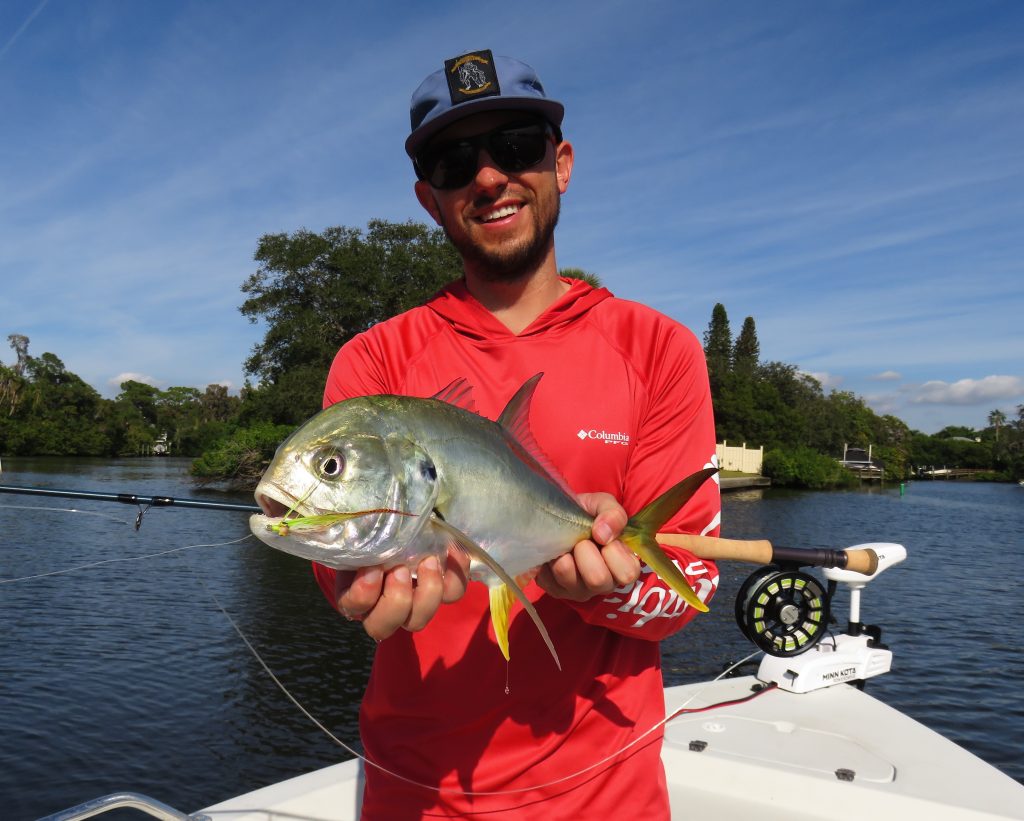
(388, 480)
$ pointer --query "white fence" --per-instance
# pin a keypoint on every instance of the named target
(742, 458)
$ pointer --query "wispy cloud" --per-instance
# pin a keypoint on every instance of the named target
(21, 29)
(859, 195)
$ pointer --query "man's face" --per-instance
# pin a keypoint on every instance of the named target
(502, 223)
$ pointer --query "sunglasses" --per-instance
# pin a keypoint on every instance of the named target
(514, 147)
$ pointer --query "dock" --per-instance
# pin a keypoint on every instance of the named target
(740, 482)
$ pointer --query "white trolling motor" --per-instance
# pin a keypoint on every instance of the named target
(786, 613)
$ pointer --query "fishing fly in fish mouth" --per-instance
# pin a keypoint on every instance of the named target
(389, 480)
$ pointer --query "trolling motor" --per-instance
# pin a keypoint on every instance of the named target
(786, 613)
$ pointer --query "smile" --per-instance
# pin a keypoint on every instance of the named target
(499, 213)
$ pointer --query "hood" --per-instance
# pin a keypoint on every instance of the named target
(471, 319)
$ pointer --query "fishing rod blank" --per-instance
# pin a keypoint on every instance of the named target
(130, 498)
(758, 551)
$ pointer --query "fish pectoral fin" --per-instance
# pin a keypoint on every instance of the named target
(461, 541)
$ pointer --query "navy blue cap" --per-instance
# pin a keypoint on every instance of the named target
(473, 83)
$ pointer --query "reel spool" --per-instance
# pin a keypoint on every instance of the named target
(783, 612)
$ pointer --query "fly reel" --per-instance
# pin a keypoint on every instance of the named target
(784, 612)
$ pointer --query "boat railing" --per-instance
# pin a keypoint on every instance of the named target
(124, 800)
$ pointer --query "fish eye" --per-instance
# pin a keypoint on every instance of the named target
(331, 466)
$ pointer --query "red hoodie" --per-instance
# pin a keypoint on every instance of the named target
(623, 407)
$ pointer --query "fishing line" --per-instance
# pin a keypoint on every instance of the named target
(67, 510)
(121, 559)
(682, 709)
(442, 791)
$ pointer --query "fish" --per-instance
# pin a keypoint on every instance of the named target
(389, 480)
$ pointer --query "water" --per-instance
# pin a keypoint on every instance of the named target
(127, 675)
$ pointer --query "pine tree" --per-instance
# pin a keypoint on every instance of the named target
(746, 352)
(718, 345)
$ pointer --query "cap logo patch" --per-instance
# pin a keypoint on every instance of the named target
(471, 76)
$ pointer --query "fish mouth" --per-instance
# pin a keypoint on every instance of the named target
(276, 503)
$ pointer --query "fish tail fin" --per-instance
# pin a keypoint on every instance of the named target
(639, 535)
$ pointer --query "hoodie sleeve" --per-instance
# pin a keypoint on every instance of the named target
(675, 438)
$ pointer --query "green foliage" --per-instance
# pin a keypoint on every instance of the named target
(746, 353)
(315, 292)
(718, 348)
(804, 467)
(578, 273)
(241, 458)
(774, 405)
(45, 410)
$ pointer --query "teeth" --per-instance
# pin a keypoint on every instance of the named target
(500, 213)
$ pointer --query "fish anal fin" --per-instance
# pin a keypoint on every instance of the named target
(460, 540)
(515, 423)
(502, 599)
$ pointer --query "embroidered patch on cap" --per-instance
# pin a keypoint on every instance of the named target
(471, 76)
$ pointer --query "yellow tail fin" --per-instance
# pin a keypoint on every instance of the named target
(639, 535)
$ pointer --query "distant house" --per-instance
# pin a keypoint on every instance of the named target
(860, 462)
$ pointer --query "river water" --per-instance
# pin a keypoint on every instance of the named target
(129, 675)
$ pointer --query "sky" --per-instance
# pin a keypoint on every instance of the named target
(849, 174)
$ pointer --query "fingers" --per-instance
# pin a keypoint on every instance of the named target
(589, 570)
(385, 601)
(456, 576)
(609, 516)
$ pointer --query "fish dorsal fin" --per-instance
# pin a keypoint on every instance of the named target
(515, 420)
(458, 393)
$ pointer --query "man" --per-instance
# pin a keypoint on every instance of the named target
(623, 411)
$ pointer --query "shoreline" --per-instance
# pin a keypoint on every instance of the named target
(740, 482)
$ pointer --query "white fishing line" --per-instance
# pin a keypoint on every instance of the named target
(349, 749)
(439, 790)
(122, 559)
(67, 510)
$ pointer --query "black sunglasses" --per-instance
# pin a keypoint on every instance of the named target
(514, 147)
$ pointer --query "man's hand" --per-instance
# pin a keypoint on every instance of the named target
(597, 565)
(385, 600)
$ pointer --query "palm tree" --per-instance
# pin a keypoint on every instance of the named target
(997, 419)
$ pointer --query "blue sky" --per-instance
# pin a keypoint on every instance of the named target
(850, 174)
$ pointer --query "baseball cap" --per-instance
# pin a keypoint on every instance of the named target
(470, 84)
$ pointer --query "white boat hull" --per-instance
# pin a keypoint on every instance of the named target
(835, 753)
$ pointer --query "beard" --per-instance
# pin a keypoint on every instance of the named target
(513, 260)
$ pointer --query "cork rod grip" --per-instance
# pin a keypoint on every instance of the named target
(761, 551)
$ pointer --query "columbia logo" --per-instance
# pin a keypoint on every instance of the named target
(604, 436)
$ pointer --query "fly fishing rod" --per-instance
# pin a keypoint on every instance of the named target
(130, 499)
(758, 551)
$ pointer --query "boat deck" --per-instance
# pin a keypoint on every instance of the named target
(835, 753)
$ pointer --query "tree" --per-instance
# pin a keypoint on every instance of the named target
(747, 351)
(718, 349)
(997, 419)
(317, 291)
(578, 273)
